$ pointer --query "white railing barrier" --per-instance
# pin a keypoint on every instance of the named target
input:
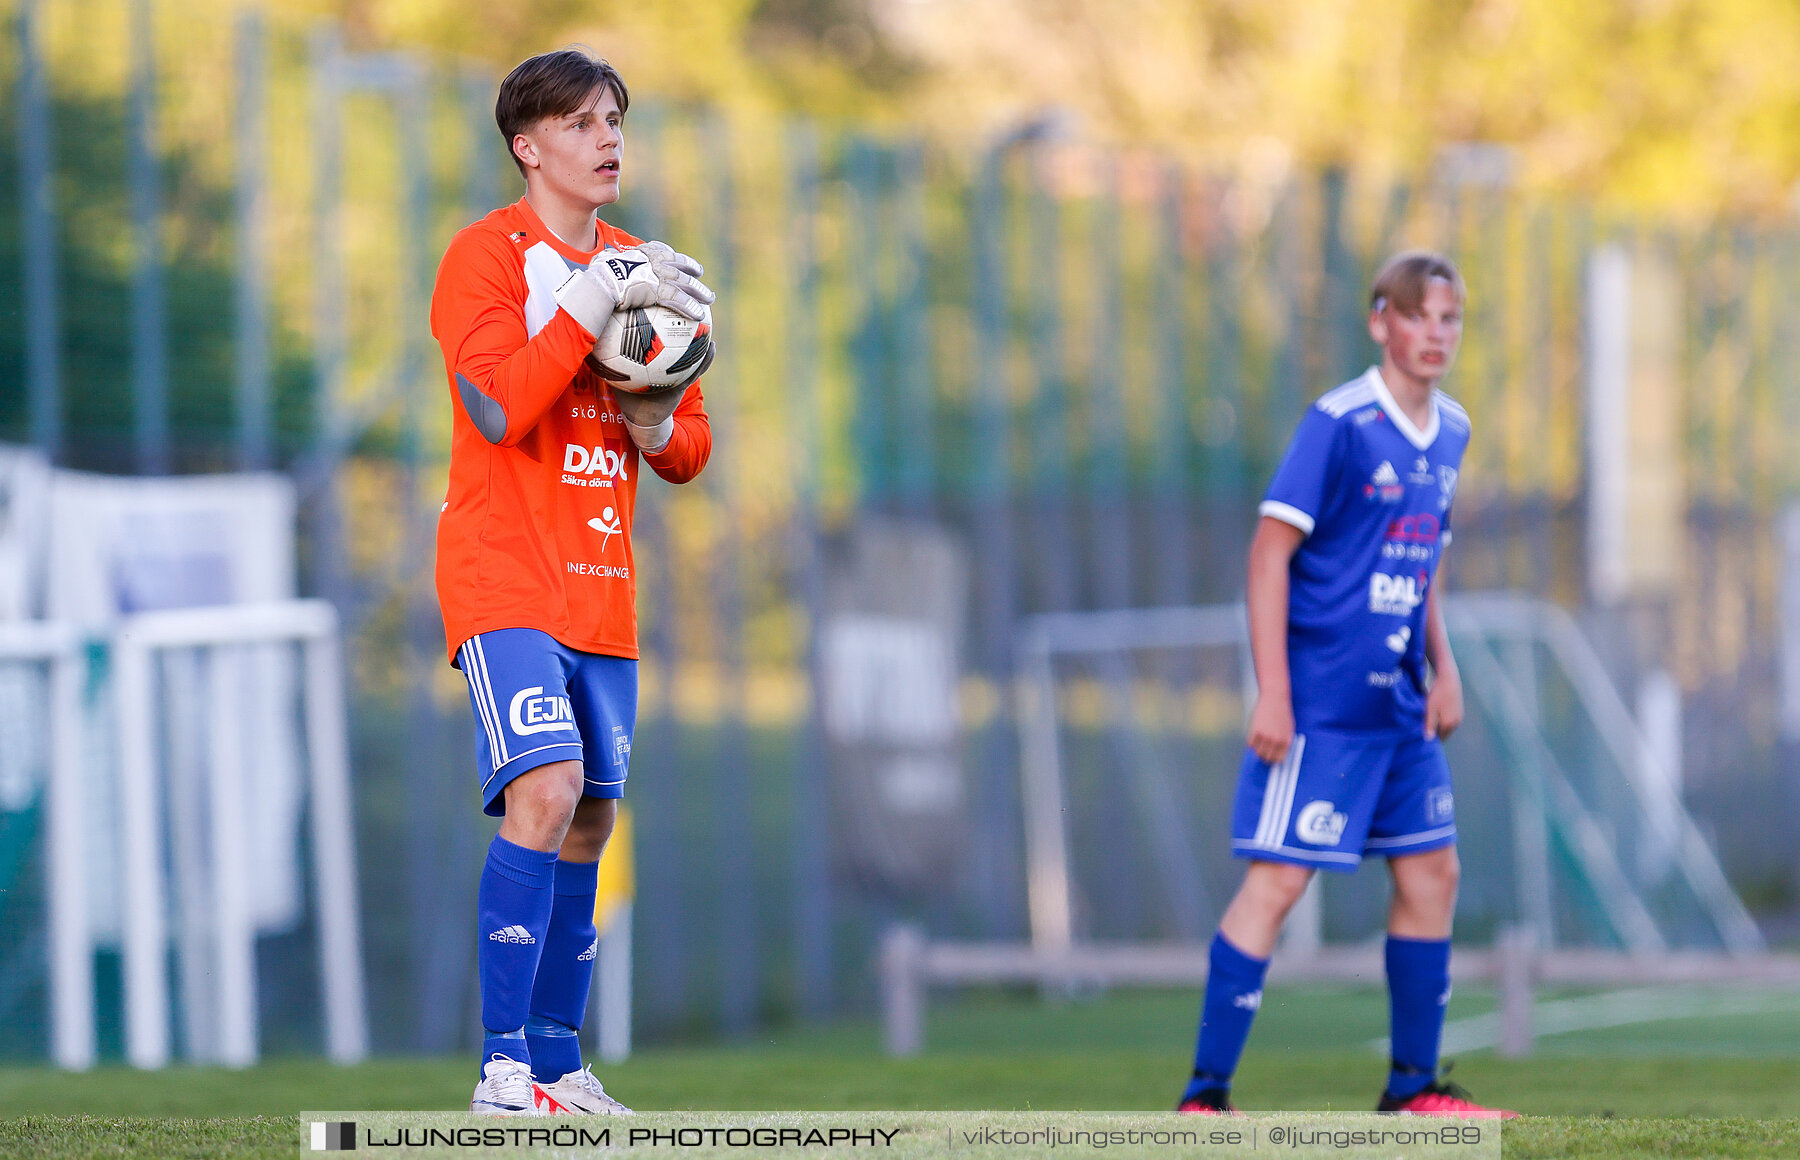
(910, 965)
(65, 836)
(312, 624)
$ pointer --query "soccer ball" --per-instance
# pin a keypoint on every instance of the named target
(650, 348)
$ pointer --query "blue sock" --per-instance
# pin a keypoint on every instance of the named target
(560, 994)
(1418, 975)
(513, 905)
(1233, 994)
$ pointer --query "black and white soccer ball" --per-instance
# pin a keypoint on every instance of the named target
(651, 348)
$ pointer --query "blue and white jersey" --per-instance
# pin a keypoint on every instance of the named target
(1373, 494)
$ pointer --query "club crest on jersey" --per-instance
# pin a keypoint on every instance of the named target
(1446, 487)
(1395, 595)
(1384, 485)
(608, 525)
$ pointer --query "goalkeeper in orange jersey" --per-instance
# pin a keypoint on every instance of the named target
(534, 559)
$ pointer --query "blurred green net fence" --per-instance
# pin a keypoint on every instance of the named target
(1024, 374)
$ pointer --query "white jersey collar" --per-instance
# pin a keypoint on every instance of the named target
(1420, 439)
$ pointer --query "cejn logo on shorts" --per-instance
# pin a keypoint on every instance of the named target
(1320, 824)
(532, 712)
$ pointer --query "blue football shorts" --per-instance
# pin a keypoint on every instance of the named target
(1336, 797)
(537, 701)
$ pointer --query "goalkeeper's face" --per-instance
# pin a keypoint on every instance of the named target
(578, 155)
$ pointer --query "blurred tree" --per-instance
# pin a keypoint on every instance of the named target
(1692, 105)
(95, 283)
(1684, 105)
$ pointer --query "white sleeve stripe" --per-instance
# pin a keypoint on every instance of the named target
(1337, 406)
(1287, 514)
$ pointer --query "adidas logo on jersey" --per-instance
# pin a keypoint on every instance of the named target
(587, 956)
(1384, 484)
(512, 934)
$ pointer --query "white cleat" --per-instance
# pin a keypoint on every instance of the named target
(578, 1094)
(505, 1090)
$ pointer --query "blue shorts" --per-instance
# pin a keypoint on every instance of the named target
(538, 701)
(1337, 796)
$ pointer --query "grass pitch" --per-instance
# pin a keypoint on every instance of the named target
(1717, 1087)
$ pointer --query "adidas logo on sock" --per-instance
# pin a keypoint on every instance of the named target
(587, 956)
(512, 934)
(1249, 1000)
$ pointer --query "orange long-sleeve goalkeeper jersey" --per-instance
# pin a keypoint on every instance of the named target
(536, 526)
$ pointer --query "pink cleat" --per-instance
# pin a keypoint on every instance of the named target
(1211, 1102)
(1442, 1099)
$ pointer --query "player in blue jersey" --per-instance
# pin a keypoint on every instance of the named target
(1356, 688)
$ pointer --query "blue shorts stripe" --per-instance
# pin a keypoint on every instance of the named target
(1278, 796)
(488, 708)
(501, 756)
(481, 711)
(1292, 854)
(1271, 794)
(1410, 839)
(519, 757)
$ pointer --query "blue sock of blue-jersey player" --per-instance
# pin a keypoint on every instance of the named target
(513, 903)
(1233, 993)
(1418, 975)
(565, 970)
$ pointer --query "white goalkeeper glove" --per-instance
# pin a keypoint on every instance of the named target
(648, 275)
(678, 284)
(590, 296)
